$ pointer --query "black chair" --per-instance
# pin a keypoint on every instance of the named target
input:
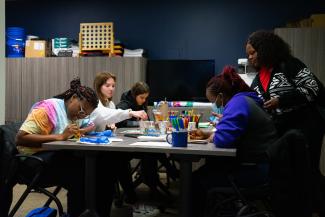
(15, 169)
(170, 175)
(238, 201)
(155, 186)
(290, 175)
(286, 194)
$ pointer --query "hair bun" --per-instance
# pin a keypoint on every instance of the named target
(75, 83)
(229, 73)
(229, 70)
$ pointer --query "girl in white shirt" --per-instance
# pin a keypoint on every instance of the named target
(106, 114)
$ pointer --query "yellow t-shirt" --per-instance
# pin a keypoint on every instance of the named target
(37, 122)
(47, 117)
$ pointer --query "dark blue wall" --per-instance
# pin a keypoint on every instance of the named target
(206, 29)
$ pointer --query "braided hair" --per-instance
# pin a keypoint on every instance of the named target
(82, 92)
(228, 83)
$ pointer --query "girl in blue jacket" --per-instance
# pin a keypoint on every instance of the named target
(245, 126)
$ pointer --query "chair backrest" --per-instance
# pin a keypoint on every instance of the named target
(13, 170)
(322, 158)
(8, 148)
(8, 151)
(290, 175)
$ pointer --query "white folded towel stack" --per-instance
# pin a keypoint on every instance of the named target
(133, 53)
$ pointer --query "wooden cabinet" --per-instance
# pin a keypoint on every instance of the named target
(29, 80)
(307, 44)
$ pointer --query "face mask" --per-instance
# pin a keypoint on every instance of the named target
(216, 109)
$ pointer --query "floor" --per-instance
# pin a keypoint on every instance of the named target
(169, 206)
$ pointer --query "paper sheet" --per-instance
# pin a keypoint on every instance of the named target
(198, 141)
(152, 144)
(161, 138)
(115, 139)
(135, 131)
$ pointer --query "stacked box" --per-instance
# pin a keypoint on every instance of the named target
(35, 48)
(61, 43)
(317, 20)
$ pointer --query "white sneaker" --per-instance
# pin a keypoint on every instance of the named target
(142, 210)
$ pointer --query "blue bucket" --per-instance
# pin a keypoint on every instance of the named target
(15, 42)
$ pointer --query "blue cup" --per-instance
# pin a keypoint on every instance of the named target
(178, 138)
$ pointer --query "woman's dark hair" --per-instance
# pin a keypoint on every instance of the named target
(139, 88)
(228, 83)
(101, 79)
(271, 49)
(80, 91)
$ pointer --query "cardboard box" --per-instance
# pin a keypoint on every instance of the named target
(317, 20)
(300, 23)
(35, 48)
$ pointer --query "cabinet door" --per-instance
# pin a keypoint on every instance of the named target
(43, 78)
(13, 90)
(127, 70)
(60, 71)
(29, 80)
(307, 44)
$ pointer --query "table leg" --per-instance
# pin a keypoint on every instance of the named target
(90, 180)
(185, 188)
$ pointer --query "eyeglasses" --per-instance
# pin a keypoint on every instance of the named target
(81, 112)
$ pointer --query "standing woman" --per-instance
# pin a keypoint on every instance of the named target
(289, 90)
(106, 114)
(58, 119)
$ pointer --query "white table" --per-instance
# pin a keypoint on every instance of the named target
(185, 156)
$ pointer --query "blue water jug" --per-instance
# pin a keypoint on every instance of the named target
(15, 42)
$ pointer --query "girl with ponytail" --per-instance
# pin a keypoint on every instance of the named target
(57, 119)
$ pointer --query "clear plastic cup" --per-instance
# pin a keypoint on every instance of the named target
(158, 115)
(163, 125)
